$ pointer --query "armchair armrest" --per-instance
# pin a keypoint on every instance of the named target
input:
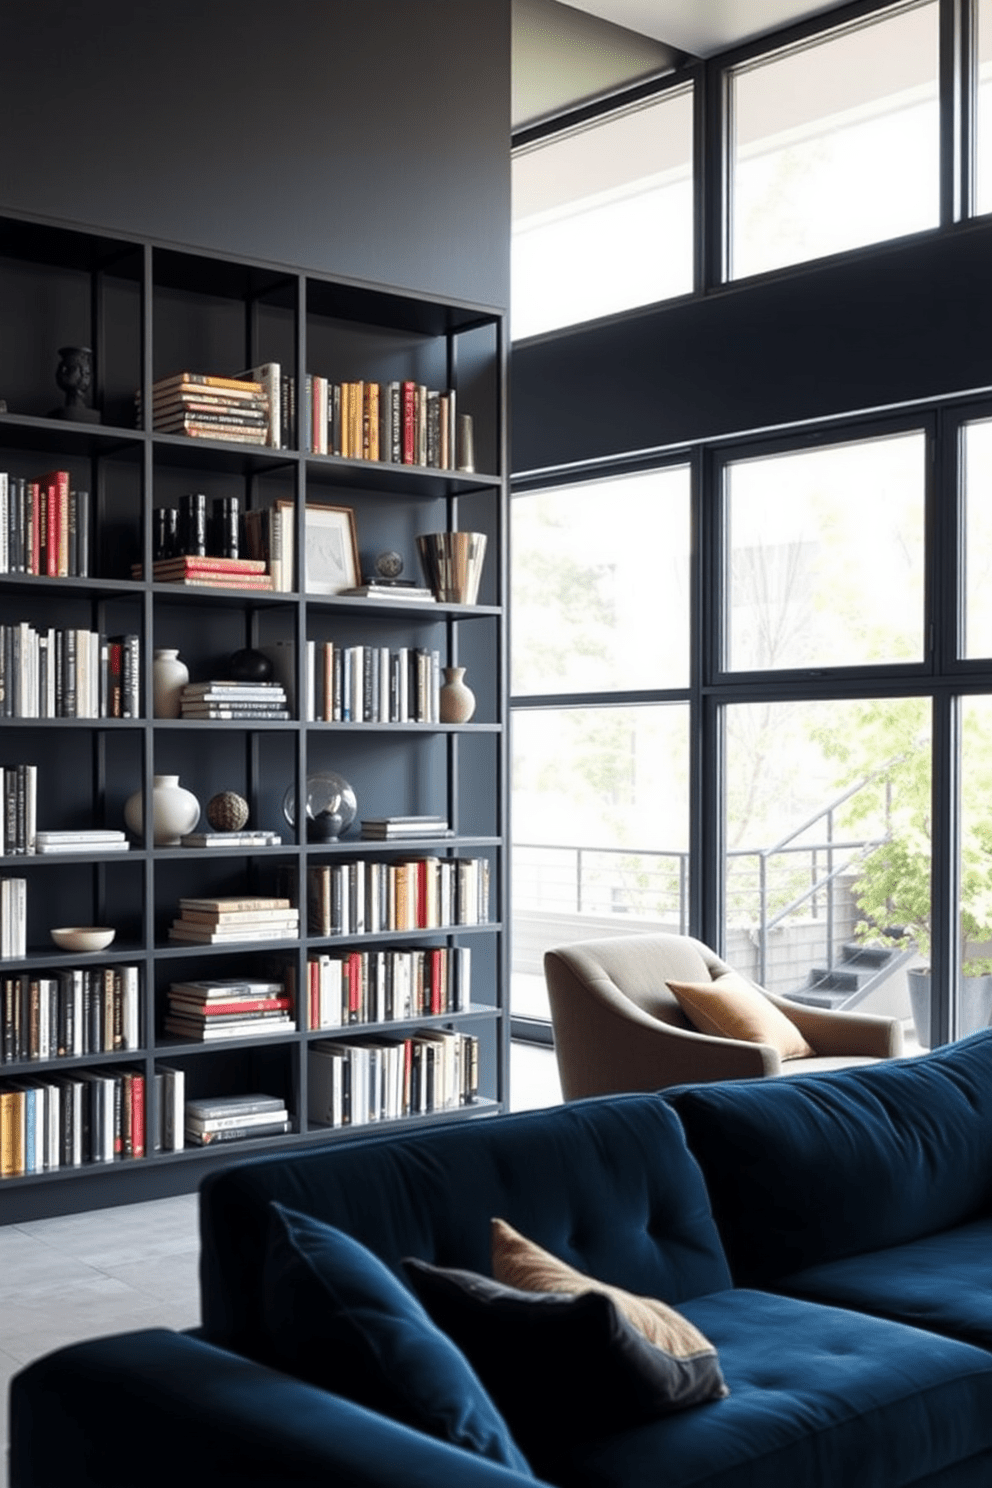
(161, 1408)
(833, 1033)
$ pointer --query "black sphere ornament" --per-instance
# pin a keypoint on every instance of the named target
(249, 665)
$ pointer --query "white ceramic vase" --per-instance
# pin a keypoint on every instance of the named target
(457, 700)
(169, 677)
(175, 811)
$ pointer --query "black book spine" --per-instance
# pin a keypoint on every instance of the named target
(193, 524)
(7, 1030)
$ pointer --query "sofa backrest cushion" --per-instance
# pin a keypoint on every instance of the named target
(817, 1167)
(606, 1184)
(338, 1318)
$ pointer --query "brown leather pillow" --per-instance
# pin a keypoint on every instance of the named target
(730, 1007)
(519, 1262)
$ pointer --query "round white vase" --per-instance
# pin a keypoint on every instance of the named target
(175, 811)
(457, 700)
(169, 677)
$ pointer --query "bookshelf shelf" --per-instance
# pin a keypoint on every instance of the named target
(148, 309)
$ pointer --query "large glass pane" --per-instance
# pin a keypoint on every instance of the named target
(983, 148)
(600, 830)
(600, 585)
(835, 144)
(977, 462)
(602, 216)
(827, 556)
(827, 873)
(974, 990)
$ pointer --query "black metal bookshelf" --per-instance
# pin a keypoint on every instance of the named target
(149, 309)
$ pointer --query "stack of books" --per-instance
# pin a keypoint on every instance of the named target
(226, 699)
(229, 920)
(81, 841)
(205, 572)
(398, 828)
(206, 407)
(249, 837)
(235, 1117)
(229, 1008)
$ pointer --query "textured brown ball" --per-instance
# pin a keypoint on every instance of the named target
(227, 812)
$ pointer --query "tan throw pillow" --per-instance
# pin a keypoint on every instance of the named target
(731, 1008)
(518, 1262)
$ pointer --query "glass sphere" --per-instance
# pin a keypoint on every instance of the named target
(331, 806)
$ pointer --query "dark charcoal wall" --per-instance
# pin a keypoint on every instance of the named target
(369, 139)
(908, 320)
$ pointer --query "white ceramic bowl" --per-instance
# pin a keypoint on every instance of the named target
(83, 937)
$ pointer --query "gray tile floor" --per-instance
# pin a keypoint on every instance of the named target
(111, 1270)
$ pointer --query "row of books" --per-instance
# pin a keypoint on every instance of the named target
(383, 1079)
(64, 1121)
(19, 818)
(368, 897)
(226, 699)
(227, 920)
(235, 1118)
(44, 526)
(372, 684)
(71, 673)
(387, 986)
(401, 422)
(13, 918)
(201, 406)
(228, 1008)
(83, 1010)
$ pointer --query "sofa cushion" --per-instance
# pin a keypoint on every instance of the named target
(819, 1167)
(555, 1362)
(338, 1318)
(518, 1262)
(942, 1281)
(730, 1007)
(819, 1398)
(607, 1184)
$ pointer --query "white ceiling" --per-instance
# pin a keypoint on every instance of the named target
(568, 52)
(702, 27)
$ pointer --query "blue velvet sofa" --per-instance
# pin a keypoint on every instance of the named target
(829, 1235)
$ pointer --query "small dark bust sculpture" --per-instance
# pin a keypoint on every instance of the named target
(74, 376)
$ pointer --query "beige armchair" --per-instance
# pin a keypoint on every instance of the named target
(618, 1027)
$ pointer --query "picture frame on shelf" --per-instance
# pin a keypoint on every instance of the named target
(330, 550)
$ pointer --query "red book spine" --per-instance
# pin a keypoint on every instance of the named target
(138, 1115)
(62, 480)
(354, 987)
(437, 994)
(408, 405)
(52, 526)
(253, 1005)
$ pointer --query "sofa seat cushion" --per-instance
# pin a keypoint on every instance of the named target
(819, 1398)
(822, 1166)
(942, 1282)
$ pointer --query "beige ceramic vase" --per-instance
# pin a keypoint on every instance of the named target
(456, 697)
